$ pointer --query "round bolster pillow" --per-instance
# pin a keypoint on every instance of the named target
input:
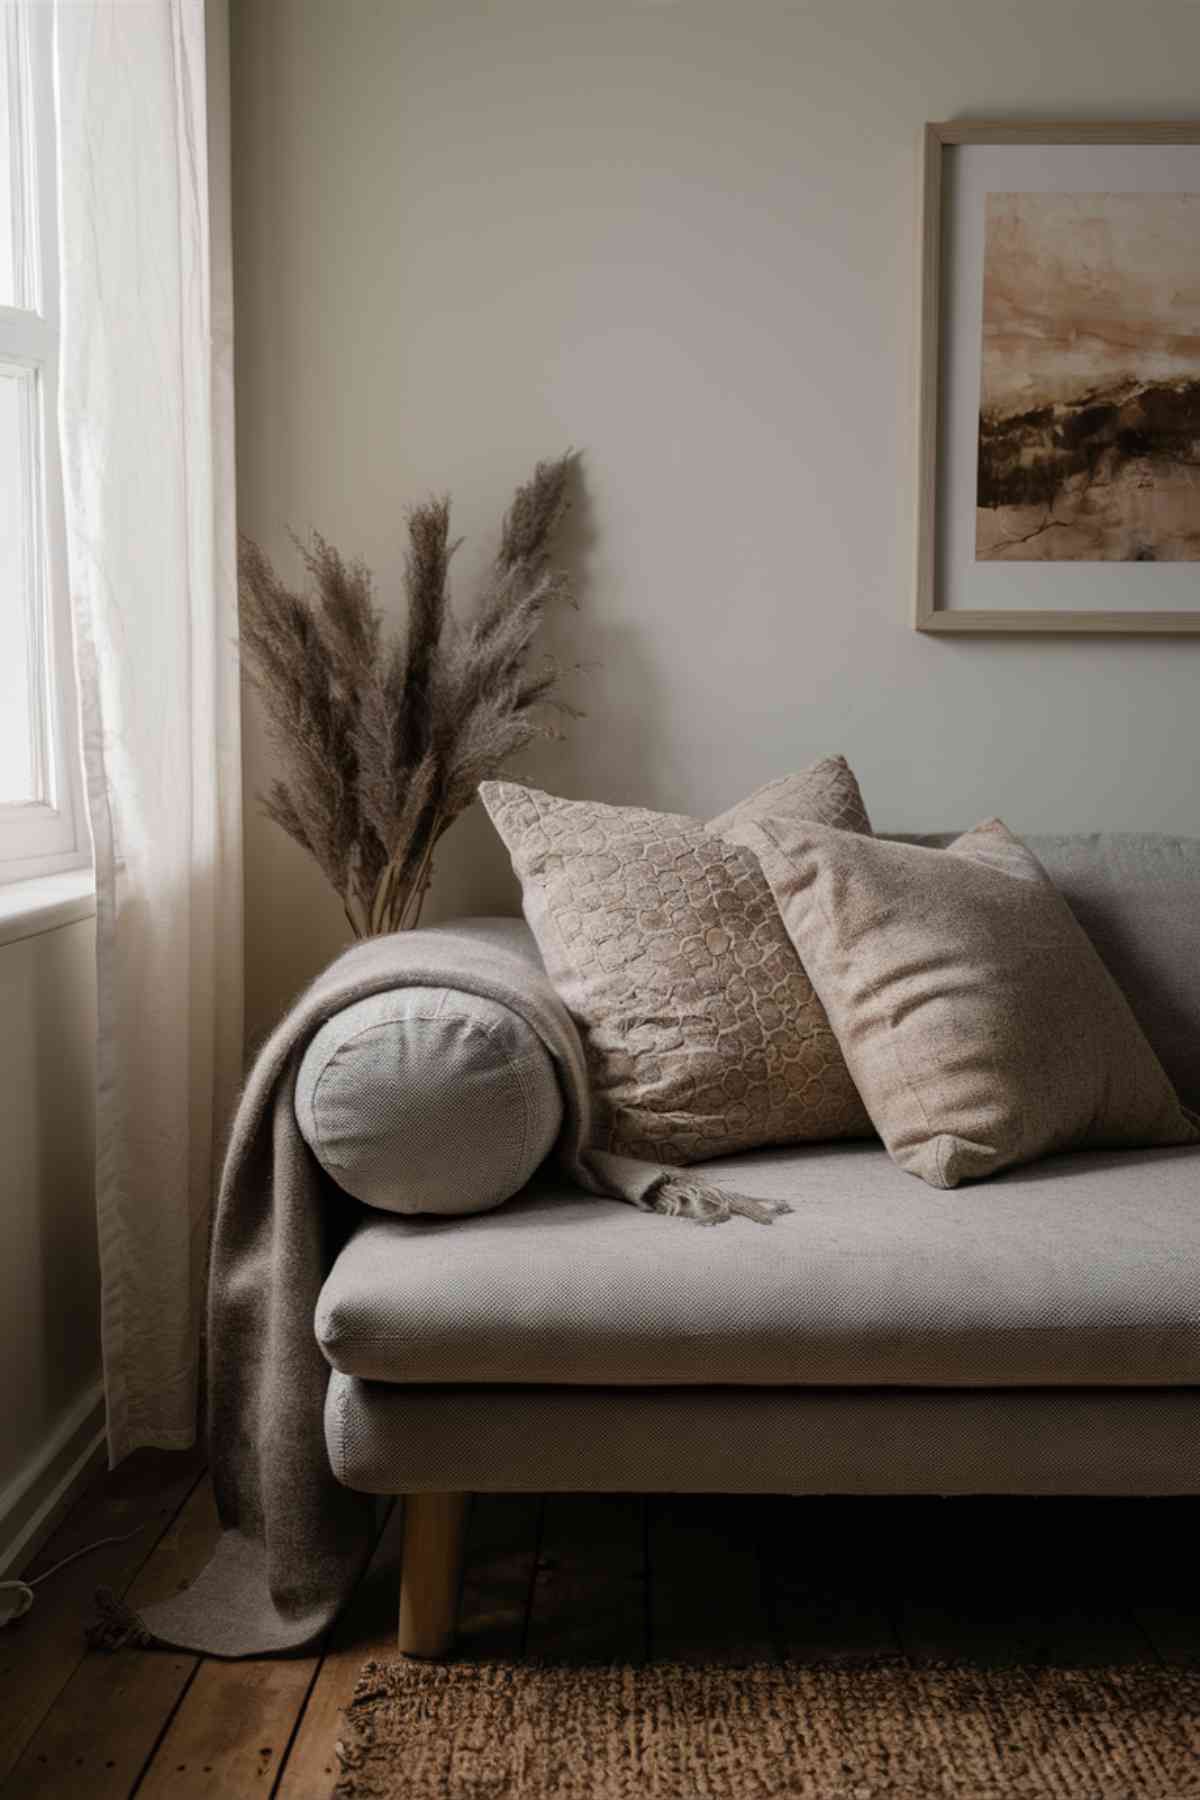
(427, 1100)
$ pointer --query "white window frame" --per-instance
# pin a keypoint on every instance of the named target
(48, 833)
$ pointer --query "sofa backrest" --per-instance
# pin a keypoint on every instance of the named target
(1137, 895)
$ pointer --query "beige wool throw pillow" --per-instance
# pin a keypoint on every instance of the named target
(702, 1030)
(977, 1019)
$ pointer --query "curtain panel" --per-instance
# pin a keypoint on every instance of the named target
(146, 419)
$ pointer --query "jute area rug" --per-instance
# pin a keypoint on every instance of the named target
(884, 1731)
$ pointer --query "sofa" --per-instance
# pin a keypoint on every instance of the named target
(1038, 1333)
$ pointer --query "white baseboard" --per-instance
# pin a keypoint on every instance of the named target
(35, 1501)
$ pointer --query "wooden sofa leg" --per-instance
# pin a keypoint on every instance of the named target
(430, 1572)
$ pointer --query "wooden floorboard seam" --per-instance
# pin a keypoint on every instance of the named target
(715, 1578)
(298, 1721)
(769, 1598)
(152, 1546)
(534, 1567)
(381, 1526)
(48, 1556)
(647, 1583)
(1144, 1632)
(364, 1630)
(648, 1597)
(164, 1728)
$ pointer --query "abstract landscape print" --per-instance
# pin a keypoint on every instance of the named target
(1089, 416)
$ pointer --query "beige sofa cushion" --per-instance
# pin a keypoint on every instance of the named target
(1084, 1272)
(978, 1021)
(386, 1439)
(702, 1031)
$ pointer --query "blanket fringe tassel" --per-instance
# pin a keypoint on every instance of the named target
(118, 1627)
(683, 1197)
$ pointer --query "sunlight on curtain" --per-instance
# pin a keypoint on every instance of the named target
(146, 411)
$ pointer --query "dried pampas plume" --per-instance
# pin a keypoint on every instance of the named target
(384, 740)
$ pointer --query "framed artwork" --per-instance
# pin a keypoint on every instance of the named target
(1058, 455)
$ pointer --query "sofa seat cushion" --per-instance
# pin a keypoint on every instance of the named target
(1083, 1270)
(410, 1440)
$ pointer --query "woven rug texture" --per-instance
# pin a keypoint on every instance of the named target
(884, 1731)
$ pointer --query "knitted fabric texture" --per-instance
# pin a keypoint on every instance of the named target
(295, 1539)
(702, 1031)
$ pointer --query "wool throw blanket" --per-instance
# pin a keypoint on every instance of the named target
(295, 1540)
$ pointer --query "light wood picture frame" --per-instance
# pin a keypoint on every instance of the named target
(1111, 575)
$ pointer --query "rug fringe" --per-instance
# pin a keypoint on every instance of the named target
(683, 1197)
(118, 1627)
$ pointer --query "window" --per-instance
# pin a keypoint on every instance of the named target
(41, 812)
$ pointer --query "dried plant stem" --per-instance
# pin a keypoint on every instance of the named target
(384, 743)
(409, 914)
(358, 916)
(400, 892)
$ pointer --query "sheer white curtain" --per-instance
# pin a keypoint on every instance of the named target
(146, 415)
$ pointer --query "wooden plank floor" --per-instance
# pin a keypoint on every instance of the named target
(573, 1577)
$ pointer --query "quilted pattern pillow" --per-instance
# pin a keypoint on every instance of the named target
(702, 1031)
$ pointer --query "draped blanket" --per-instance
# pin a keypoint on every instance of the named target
(294, 1540)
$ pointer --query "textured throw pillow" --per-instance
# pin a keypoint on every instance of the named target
(702, 1031)
(979, 1023)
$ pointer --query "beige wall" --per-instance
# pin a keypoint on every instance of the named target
(680, 237)
(49, 1277)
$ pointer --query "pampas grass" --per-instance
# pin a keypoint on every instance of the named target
(383, 739)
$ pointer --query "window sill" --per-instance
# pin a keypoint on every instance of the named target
(28, 908)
